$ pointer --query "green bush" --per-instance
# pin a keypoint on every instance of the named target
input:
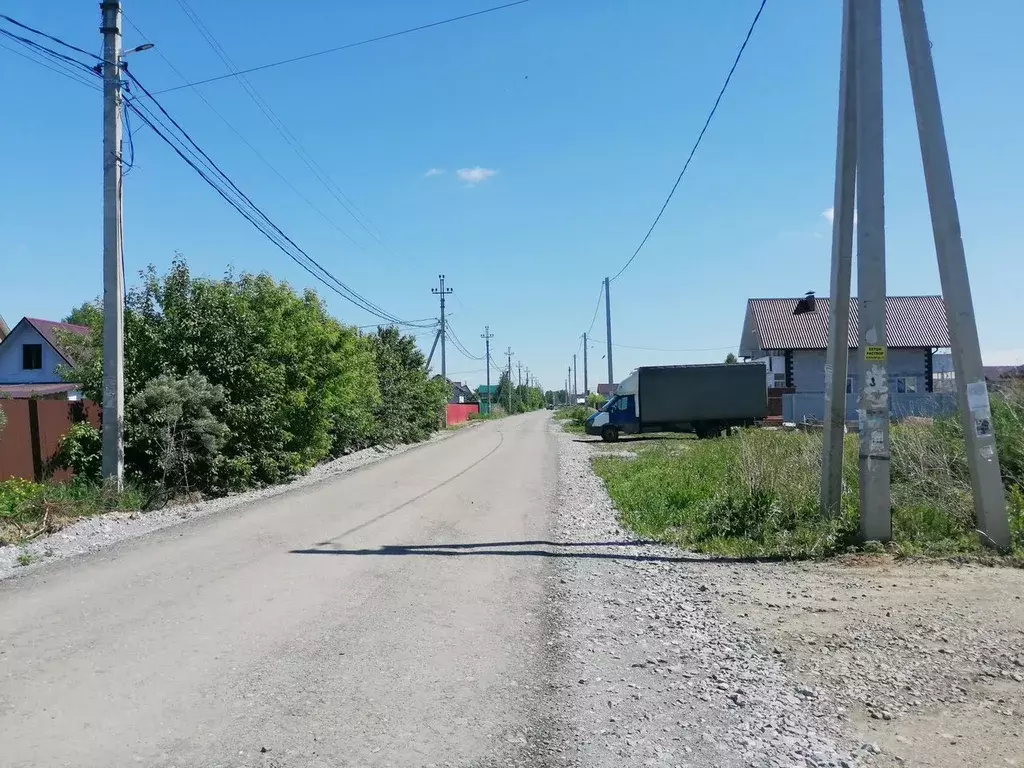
(81, 451)
(298, 387)
(596, 401)
(173, 438)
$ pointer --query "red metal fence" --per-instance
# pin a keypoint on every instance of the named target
(33, 432)
(459, 412)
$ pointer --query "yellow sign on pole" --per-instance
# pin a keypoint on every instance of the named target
(875, 354)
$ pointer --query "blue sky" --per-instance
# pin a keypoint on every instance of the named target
(580, 115)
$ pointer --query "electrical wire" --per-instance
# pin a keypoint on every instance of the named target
(367, 41)
(345, 291)
(200, 162)
(57, 40)
(460, 346)
(700, 136)
(69, 74)
(600, 295)
(275, 120)
(247, 143)
(661, 349)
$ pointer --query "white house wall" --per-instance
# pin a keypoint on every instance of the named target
(809, 367)
(11, 370)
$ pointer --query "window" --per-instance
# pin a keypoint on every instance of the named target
(851, 384)
(32, 357)
(777, 379)
(904, 384)
(622, 403)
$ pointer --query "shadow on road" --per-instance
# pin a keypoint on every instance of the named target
(537, 548)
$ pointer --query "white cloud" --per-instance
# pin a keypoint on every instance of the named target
(434, 172)
(475, 175)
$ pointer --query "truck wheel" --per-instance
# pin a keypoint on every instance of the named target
(610, 434)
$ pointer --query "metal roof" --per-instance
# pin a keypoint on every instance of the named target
(24, 391)
(910, 321)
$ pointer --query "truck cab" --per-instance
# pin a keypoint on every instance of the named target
(617, 416)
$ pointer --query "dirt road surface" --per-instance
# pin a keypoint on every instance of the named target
(468, 603)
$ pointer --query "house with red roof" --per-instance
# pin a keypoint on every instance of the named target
(31, 356)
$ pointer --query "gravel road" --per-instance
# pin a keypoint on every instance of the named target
(473, 603)
(93, 533)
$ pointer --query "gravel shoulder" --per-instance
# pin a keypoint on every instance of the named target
(675, 659)
(99, 532)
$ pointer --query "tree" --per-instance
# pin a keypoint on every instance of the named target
(297, 385)
(730, 359)
(89, 313)
(411, 404)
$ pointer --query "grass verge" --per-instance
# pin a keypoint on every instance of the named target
(756, 494)
(28, 509)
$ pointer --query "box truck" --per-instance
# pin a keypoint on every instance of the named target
(703, 399)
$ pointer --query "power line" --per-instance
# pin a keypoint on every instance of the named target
(661, 349)
(367, 41)
(703, 130)
(600, 295)
(57, 40)
(65, 72)
(243, 204)
(247, 143)
(275, 120)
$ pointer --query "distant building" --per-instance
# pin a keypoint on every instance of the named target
(793, 348)
(607, 389)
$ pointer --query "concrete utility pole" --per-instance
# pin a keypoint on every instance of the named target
(487, 336)
(972, 391)
(442, 292)
(568, 383)
(575, 381)
(433, 347)
(520, 366)
(508, 353)
(113, 271)
(586, 380)
(875, 502)
(608, 328)
(859, 160)
(837, 360)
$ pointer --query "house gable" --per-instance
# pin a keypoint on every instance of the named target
(43, 333)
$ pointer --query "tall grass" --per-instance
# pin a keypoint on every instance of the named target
(30, 509)
(756, 494)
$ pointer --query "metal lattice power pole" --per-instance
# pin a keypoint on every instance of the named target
(442, 292)
(972, 391)
(487, 336)
(608, 328)
(837, 361)
(113, 273)
(586, 381)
